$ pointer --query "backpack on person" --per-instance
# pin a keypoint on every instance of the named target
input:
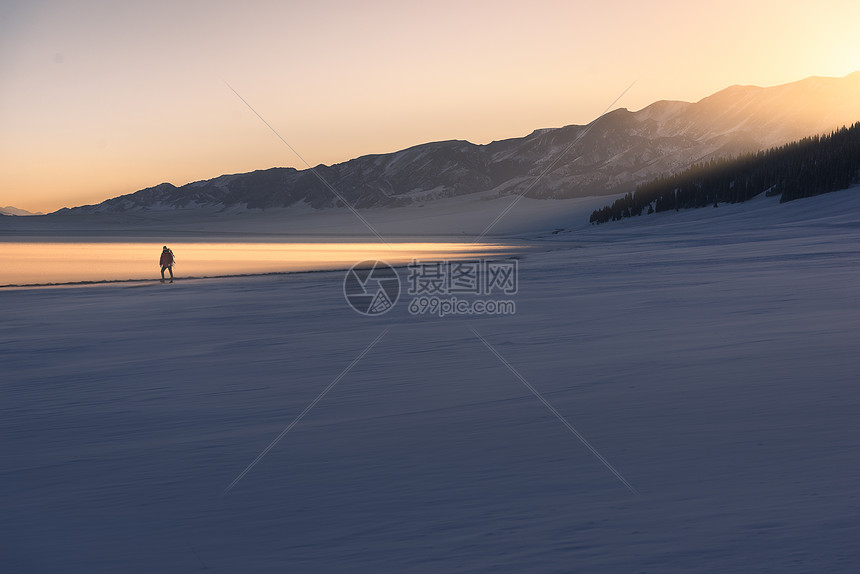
(167, 258)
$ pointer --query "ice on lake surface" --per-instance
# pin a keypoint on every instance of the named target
(28, 263)
(710, 356)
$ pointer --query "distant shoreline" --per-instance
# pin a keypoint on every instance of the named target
(144, 282)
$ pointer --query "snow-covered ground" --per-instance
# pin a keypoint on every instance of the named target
(709, 356)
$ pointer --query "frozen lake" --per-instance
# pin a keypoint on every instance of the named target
(53, 262)
(710, 356)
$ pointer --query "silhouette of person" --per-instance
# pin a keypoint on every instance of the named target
(167, 260)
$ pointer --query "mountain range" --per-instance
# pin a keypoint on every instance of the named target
(610, 155)
(10, 210)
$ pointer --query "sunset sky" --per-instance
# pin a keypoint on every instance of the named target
(102, 98)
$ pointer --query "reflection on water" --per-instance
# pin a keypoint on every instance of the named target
(42, 263)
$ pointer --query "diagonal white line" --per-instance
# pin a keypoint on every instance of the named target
(549, 168)
(557, 414)
(307, 409)
(313, 171)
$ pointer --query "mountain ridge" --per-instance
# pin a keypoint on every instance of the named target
(17, 211)
(611, 154)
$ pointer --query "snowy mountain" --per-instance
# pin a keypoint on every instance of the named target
(610, 155)
(9, 210)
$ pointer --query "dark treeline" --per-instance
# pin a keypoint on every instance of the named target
(811, 166)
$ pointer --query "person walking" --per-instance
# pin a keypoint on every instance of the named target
(167, 261)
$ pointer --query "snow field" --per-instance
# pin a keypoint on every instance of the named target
(709, 356)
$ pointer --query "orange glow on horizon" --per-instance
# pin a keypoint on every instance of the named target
(46, 262)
